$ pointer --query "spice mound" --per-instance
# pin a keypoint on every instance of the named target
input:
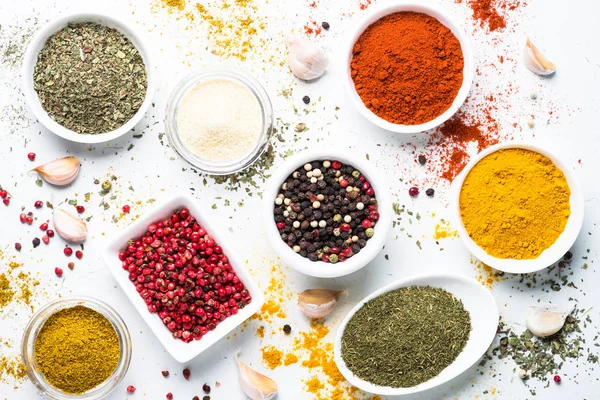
(407, 68)
(405, 337)
(90, 78)
(326, 210)
(514, 203)
(219, 120)
(183, 275)
(76, 350)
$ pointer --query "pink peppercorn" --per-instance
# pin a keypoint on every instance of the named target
(58, 272)
(557, 378)
(31, 156)
(126, 208)
(68, 251)
(413, 191)
(131, 389)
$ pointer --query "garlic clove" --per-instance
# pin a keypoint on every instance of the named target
(68, 226)
(256, 385)
(536, 61)
(59, 172)
(306, 60)
(318, 303)
(545, 321)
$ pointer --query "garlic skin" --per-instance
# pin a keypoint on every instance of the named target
(318, 303)
(256, 385)
(306, 60)
(59, 172)
(544, 321)
(535, 61)
(68, 226)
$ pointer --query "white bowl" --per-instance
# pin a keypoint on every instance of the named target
(30, 59)
(321, 269)
(442, 14)
(180, 351)
(551, 254)
(477, 300)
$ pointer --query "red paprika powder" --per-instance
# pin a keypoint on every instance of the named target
(407, 68)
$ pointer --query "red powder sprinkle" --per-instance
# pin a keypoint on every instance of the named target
(364, 4)
(448, 147)
(492, 12)
(312, 28)
(313, 4)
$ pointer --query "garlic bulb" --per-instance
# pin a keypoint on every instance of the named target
(536, 61)
(318, 303)
(59, 172)
(68, 226)
(306, 60)
(256, 385)
(545, 321)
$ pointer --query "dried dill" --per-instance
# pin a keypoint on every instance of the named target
(90, 78)
(406, 337)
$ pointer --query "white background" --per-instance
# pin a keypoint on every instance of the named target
(568, 31)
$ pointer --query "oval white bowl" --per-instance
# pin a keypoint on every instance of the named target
(477, 300)
(442, 14)
(321, 269)
(553, 253)
(180, 351)
(30, 59)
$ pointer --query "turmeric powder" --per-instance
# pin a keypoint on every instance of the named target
(514, 203)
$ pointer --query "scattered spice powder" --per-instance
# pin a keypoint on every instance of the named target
(16, 286)
(486, 275)
(276, 294)
(492, 13)
(272, 356)
(443, 230)
(290, 358)
(12, 367)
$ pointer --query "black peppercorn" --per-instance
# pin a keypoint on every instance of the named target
(568, 255)
(430, 192)
(36, 242)
(306, 99)
(325, 25)
(287, 329)
(422, 159)
(206, 388)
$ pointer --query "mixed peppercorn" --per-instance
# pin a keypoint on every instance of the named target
(183, 275)
(326, 211)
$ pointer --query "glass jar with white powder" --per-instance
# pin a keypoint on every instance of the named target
(219, 120)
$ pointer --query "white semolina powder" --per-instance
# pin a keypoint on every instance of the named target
(219, 120)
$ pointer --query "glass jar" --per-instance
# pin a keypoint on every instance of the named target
(37, 322)
(210, 166)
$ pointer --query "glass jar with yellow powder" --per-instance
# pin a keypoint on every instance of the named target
(518, 208)
(76, 348)
(219, 120)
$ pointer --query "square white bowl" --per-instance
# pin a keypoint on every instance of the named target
(179, 350)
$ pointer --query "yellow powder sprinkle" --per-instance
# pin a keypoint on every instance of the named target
(443, 230)
(260, 331)
(177, 4)
(290, 358)
(314, 385)
(486, 275)
(272, 356)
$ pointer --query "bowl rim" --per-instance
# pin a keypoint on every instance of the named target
(180, 351)
(447, 18)
(374, 244)
(38, 41)
(483, 343)
(550, 255)
(240, 76)
(38, 320)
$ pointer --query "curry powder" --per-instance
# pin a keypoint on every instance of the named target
(77, 349)
(514, 203)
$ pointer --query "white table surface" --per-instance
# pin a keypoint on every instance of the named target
(568, 32)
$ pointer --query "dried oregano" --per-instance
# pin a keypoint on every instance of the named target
(90, 78)
(405, 337)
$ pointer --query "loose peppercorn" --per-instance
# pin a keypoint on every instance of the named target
(195, 398)
(422, 159)
(206, 388)
(165, 373)
(79, 254)
(18, 246)
(131, 389)
(325, 25)
(31, 156)
(430, 192)
(287, 329)
(68, 251)
(186, 374)
(413, 191)
(58, 271)
(71, 265)
(206, 398)
(557, 378)
(106, 185)
(169, 396)
(306, 99)
(35, 242)
(568, 255)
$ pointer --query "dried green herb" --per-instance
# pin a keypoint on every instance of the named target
(90, 78)
(405, 337)
(544, 357)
